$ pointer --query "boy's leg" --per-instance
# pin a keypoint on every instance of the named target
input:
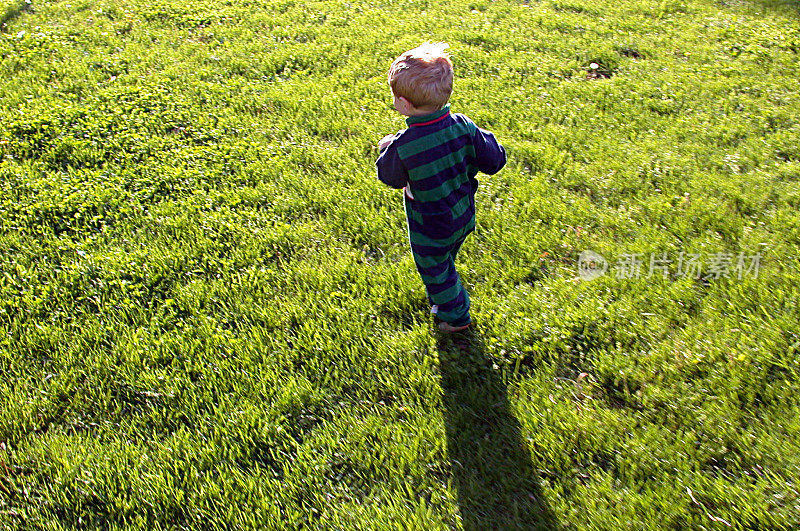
(457, 247)
(443, 284)
(436, 266)
(461, 304)
(453, 253)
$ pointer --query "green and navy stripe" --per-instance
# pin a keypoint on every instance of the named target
(437, 158)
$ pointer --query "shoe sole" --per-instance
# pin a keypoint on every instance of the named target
(450, 329)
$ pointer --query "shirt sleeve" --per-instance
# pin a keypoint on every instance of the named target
(489, 154)
(390, 168)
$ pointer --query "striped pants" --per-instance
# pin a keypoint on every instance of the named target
(435, 261)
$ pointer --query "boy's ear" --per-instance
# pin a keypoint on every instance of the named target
(407, 105)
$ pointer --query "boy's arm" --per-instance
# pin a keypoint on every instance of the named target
(390, 169)
(490, 155)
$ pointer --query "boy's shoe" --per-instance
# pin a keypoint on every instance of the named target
(435, 309)
(447, 328)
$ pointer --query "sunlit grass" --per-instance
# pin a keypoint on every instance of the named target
(210, 316)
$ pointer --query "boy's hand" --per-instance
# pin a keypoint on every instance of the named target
(385, 141)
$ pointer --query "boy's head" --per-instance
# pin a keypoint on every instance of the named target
(423, 76)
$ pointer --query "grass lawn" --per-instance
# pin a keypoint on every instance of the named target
(209, 314)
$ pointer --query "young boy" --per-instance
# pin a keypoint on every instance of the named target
(435, 162)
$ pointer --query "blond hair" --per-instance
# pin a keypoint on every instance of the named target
(423, 76)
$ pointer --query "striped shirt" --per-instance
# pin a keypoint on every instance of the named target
(437, 159)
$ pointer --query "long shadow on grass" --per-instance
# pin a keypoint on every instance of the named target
(495, 477)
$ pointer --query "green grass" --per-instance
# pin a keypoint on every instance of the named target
(209, 315)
